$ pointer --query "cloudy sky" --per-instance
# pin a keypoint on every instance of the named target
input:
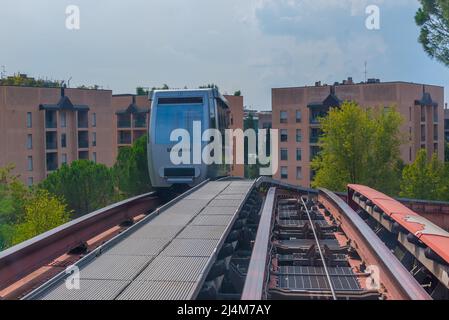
(251, 45)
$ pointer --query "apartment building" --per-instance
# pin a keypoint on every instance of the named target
(43, 128)
(236, 119)
(132, 117)
(296, 112)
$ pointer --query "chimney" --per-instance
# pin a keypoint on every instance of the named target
(350, 80)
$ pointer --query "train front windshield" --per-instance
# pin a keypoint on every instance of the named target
(170, 117)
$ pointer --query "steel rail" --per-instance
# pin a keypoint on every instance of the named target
(255, 278)
(23, 259)
(328, 277)
(399, 283)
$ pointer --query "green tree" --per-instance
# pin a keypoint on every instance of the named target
(238, 93)
(131, 169)
(86, 186)
(425, 179)
(433, 18)
(359, 146)
(13, 194)
(42, 212)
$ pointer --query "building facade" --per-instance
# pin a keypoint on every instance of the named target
(446, 124)
(296, 112)
(236, 122)
(43, 128)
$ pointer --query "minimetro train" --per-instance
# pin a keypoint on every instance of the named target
(179, 109)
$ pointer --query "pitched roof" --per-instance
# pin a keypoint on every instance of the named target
(64, 103)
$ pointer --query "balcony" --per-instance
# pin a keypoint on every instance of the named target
(50, 119)
(51, 140)
(124, 121)
(314, 139)
(83, 155)
(124, 137)
(315, 134)
(314, 151)
(139, 121)
(138, 134)
(316, 115)
(52, 161)
(83, 119)
(83, 139)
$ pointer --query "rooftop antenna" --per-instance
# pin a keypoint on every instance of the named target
(68, 82)
(366, 71)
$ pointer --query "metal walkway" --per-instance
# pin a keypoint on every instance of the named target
(165, 256)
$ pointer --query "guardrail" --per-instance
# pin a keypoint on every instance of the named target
(393, 275)
(256, 275)
(24, 258)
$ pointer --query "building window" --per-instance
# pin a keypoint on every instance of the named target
(63, 119)
(298, 173)
(83, 120)
(298, 155)
(83, 155)
(435, 114)
(410, 154)
(94, 120)
(52, 161)
(63, 140)
(435, 132)
(284, 135)
(50, 119)
(423, 132)
(314, 151)
(435, 148)
(423, 114)
(284, 155)
(124, 137)
(410, 133)
(298, 135)
(64, 158)
(124, 120)
(29, 120)
(29, 141)
(284, 117)
(83, 139)
(284, 172)
(410, 113)
(51, 140)
(30, 182)
(94, 139)
(140, 120)
(298, 116)
(30, 163)
(94, 157)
